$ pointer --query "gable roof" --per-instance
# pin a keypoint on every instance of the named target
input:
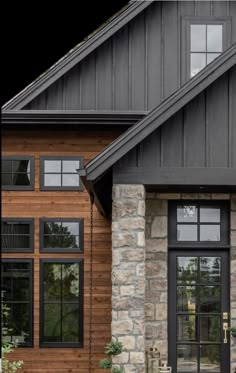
(76, 54)
(110, 155)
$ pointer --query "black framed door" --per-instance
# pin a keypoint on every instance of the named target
(198, 307)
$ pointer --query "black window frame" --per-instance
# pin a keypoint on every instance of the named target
(186, 38)
(224, 224)
(31, 235)
(80, 261)
(32, 172)
(60, 158)
(80, 221)
(31, 301)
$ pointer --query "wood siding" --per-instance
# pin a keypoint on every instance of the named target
(139, 66)
(65, 204)
(196, 146)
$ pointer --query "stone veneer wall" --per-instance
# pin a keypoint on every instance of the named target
(136, 287)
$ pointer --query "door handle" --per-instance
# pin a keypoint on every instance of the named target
(225, 328)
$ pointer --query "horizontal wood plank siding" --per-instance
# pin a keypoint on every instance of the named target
(64, 204)
(201, 135)
(139, 66)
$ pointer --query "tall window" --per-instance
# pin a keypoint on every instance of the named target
(61, 302)
(61, 235)
(17, 173)
(17, 235)
(206, 43)
(17, 285)
(60, 173)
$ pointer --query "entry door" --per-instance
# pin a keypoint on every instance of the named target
(198, 310)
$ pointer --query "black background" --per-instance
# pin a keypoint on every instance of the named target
(37, 34)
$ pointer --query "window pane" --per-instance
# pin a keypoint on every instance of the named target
(70, 180)
(209, 232)
(186, 358)
(198, 38)
(6, 166)
(70, 228)
(210, 358)
(21, 179)
(52, 322)
(16, 281)
(209, 215)
(70, 323)
(52, 227)
(186, 299)
(210, 269)
(70, 274)
(211, 57)
(186, 328)
(21, 166)
(187, 270)
(198, 62)
(52, 166)
(187, 214)
(214, 38)
(70, 241)
(70, 166)
(7, 179)
(52, 282)
(210, 299)
(186, 232)
(210, 327)
(19, 322)
(52, 180)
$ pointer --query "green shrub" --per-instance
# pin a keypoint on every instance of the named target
(112, 348)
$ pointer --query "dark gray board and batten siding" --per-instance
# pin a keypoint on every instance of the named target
(197, 146)
(138, 67)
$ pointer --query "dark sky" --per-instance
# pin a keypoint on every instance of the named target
(35, 35)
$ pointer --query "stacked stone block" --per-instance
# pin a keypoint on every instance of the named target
(128, 275)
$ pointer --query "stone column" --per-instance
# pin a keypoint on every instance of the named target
(233, 278)
(128, 275)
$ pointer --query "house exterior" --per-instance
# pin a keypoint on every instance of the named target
(119, 196)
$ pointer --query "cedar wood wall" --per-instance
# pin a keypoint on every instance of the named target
(64, 204)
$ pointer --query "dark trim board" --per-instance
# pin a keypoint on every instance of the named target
(161, 114)
(77, 54)
(176, 176)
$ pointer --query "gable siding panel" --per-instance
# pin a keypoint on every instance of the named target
(137, 67)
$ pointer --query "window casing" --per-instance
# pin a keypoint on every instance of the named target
(61, 235)
(60, 173)
(17, 286)
(198, 224)
(61, 303)
(204, 39)
(17, 172)
(17, 235)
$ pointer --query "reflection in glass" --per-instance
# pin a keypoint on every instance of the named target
(198, 38)
(210, 268)
(16, 172)
(210, 358)
(210, 299)
(198, 62)
(186, 358)
(186, 299)
(187, 269)
(210, 328)
(70, 287)
(187, 214)
(15, 235)
(52, 282)
(212, 56)
(209, 215)
(186, 328)
(70, 323)
(186, 232)
(52, 323)
(59, 234)
(210, 232)
(70, 166)
(214, 38)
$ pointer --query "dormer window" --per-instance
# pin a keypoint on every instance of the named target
(206, 44)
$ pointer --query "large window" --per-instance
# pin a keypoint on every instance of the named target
(61, 235)
(61, 302)
(17, 285)
(17, 173)
(60, 173)
(17, 235)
